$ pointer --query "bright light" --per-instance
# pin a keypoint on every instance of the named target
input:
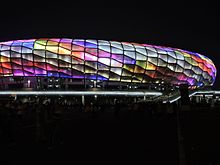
(113, 93)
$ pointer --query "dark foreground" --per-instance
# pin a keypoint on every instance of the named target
(108, 134)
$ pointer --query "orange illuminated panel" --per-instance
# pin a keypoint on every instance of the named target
(6, 65)
(66, 45)
(78, 54)
(4, 59)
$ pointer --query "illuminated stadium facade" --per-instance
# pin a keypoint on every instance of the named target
(73, 63)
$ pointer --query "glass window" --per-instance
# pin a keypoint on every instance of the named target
(138, 69)
(130, 54)
(5, 47)
(91, 51)
(28, 57)
(128, 60)
(179, 56)
(116, 51)
(52, 62)
(39, 71)
(5, 53)
(64, 51)
(90, 70)
(116, 45)
(53, 49)
(187, 66)
(179, 69)
(161, 51)
(152, 60)
(102, 66)
(40, 53)
(171, 67)
(142, 51)
(128, 47)
(181, 63)
(205, 75)
(51, 55)
(140, 57)
(78, 67)
(150, 66)
(39, 59)
(142, 64)
(77, 48)
(105, 48)
(79, 42)
(63, 64)
(126, 73)
(91, 64)
(115, 63)
(150, 48)
(15, 55)
(65, 58)
(103, 42)
(117, 57)
(29, 69)
(90, 45)
(114, 77)
(129, 68)
(66, 40)
(197, 70)
(126, 79)
(117, 70)
(52, 43)
(77, 61)
(4, 59)
(102, 53)
(26, 50)
(171, 59)
(39, 46)
(18, 72)
(188, 73)
(172, 54)
(40, 65)
(27, 63)
(29, 45)
(78, 54)
(162, 63)
(16, 61)
(163, 57)
(65, 45)
(151, 53)
(105, 61)
(104, 73)
(90, 57)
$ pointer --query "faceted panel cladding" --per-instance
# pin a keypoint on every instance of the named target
(105, 61)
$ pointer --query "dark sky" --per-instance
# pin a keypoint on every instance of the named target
(183, 26)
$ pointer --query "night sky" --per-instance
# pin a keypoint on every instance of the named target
(187, 27)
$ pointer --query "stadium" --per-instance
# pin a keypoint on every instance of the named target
(66, 64)
(109, 85)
